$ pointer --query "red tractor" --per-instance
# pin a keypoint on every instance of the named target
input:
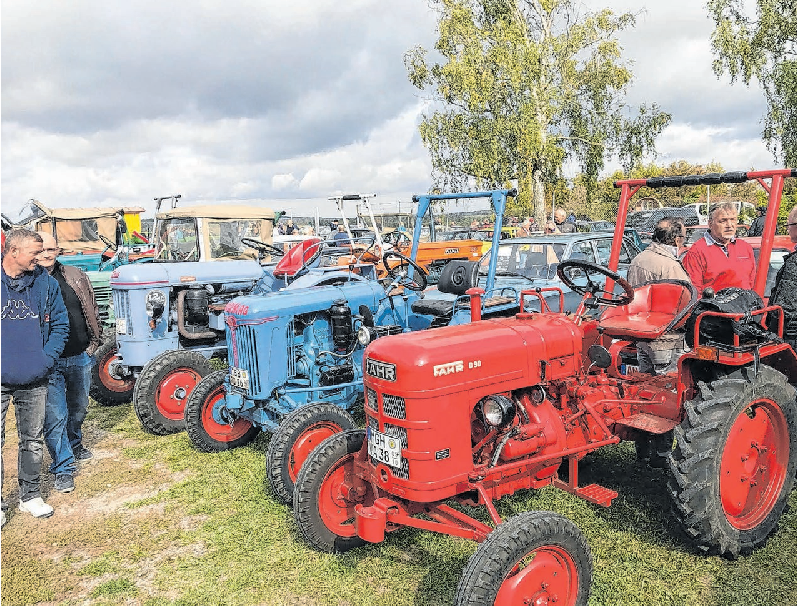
(474, 412)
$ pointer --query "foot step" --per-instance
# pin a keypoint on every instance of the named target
(593, 493)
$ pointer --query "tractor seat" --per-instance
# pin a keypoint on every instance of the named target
(456, 278)
(658, 307)
(296, 257)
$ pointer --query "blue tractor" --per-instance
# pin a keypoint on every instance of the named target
(296, 356)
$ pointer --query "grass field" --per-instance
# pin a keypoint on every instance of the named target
(154, 522)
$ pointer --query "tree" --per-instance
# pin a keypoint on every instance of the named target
(525, 85)
(764, 48)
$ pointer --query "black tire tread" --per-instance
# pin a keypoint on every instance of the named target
(291, 426)
(487, 568)
(200, 438)
(151, 377)
(101, 394)
(305, 503)
(693, 481)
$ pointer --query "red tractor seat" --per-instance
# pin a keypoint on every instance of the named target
(296, 257)
(658, 307)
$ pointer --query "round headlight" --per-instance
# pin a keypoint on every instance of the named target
(155, 303)
(364, 335)
(498, 410)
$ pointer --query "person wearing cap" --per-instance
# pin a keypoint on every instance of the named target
(757, 228)
(719, 259)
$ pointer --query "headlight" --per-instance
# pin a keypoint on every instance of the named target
(364, 335)
(497, 410)
(155, 303)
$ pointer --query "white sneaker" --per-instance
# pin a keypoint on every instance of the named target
(37, 508)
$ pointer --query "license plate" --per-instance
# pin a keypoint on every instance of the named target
(630, 369)
(239, 378)
(384, 448)
(121, 326)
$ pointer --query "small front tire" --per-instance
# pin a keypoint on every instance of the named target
(107, 387)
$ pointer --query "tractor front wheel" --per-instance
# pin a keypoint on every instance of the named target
(536, 557)
(298, 435)
(108, 386)
(734, 461)
(204, 431)
(163, 388)
(327, 491)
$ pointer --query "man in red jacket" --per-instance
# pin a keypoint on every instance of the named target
(718, 260)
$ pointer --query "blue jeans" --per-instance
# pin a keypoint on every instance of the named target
(29, 404)
(67, 403)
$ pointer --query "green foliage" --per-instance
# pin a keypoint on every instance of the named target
(764, 48)
(523, 86)
(115, 587)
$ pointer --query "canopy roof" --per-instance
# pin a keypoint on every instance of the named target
(219, 211)
(87, 212)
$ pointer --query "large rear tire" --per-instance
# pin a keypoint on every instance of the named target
(163, 388)
(536, 557)
(108, 387)
(326, 492)
(298, 434)
(205, 433)
(734, 461)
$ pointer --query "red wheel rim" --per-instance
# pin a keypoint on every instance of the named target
(108, 380)
(340, 492)
(306, 443)
(545, 575)
(173, 391)
(753, 465)
(217, 431)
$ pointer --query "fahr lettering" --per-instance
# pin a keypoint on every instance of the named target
(380, 370)
(449, 368)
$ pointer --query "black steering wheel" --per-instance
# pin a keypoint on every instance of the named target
(264, 247)
(598, 292)
(399, 276)
(107, 242)
(397, 239)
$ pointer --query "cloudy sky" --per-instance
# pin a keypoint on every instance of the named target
(110, 103)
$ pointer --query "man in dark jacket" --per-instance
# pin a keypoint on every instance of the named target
(35, 327)
(784, 292)
(757, 228)
(70, 379)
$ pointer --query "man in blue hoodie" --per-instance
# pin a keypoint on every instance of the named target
(34, 330)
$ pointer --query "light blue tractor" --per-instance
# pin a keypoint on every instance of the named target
(296, 356)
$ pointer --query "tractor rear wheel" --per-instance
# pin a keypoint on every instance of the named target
(327, 491)
(536, 557)
(207, 434)
(298, 434)
(734, 461)
(108, 387)
(163, 388)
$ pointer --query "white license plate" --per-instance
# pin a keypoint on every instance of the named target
(239, 378)
(121, 326)
(631, 370)
(384, 448)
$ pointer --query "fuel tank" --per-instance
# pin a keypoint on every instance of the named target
(503, 353)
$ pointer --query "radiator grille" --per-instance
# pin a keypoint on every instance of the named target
(246, 342)
(400, 434)
(121, 307)
(371, 403)
(293, 354)
(393, 406)
(102, 295)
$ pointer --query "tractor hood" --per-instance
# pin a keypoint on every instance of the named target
(185, 274)
(507, 353)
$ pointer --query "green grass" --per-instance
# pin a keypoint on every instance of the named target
(207, 532)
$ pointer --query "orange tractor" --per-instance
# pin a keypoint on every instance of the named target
(471, 413)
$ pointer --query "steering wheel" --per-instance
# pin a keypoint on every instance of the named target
(268, 249)
(374, 256)
(397, 239)
(107, 242)
(609, 299)
(400, 277)
(308, 259)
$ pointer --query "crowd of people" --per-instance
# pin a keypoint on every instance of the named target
(50, 329)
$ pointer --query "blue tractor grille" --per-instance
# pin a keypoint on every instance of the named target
(371, 403)
(246, 343)
(393, 406)
(394, 431)
(121, 307)
(293, 351)
(102, 295)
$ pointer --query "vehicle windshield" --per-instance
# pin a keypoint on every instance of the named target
(224, 236)
(177, 240)
(528, 259)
